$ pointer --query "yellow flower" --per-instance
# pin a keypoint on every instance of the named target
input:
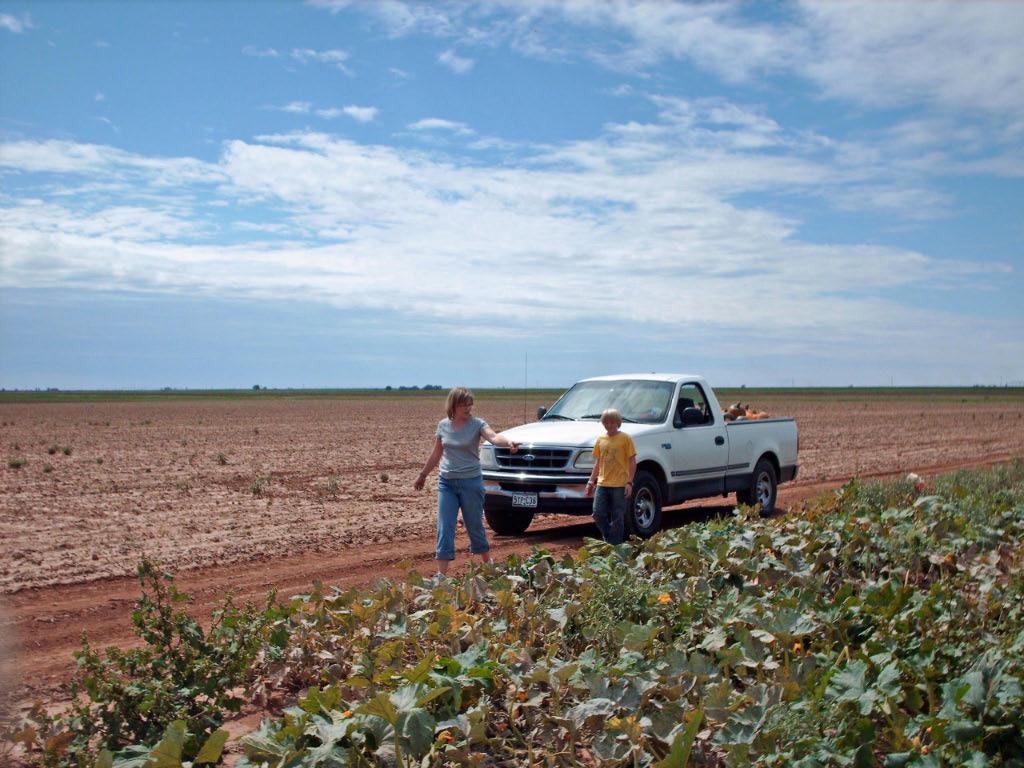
(347, 713)
(664, 598)
(798, 647)
(446, 737)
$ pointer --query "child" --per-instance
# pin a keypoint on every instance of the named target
(614, 467)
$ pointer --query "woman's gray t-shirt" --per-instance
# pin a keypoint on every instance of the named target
(461, 456)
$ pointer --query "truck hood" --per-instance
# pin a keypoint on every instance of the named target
(575, 433)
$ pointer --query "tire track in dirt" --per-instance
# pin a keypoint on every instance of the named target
(45, 624)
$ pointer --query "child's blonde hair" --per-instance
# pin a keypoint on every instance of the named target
(611, 414)
(456, 397)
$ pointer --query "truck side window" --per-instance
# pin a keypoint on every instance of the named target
(692, 396)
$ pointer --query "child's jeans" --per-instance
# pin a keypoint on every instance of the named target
(609, 512)
(467, 494)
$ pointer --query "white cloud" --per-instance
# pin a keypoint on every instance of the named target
(99, 96)
(950, 54)
(641, 219)
(440, 124)
(457, 64)
(117, 223)
(361, 114)
(916, 204)
(334, 56)
(109, 123)
(560, 231)
(16, 24)
(402, 18)
(878, 54)
(100, 162)
(712, 34)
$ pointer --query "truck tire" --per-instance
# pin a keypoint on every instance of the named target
(510, 522)
(763, 490)
(643, 508)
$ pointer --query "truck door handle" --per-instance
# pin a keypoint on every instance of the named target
(719, 440)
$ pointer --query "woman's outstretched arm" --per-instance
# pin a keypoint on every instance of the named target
(432, 461)
(496, 439)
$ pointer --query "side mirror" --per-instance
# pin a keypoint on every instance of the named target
(540, 412)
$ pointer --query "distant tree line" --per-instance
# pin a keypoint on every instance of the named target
(425, 388)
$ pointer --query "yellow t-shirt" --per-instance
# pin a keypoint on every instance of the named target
(614, 452)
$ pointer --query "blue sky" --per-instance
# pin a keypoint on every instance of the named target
(347, 194)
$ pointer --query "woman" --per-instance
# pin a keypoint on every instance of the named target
(461, 483)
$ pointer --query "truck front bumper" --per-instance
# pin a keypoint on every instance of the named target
(563, 494)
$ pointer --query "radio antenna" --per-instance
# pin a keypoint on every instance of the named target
(526, 368)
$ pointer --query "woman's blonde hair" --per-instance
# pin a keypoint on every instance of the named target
(456, 397)
(611, 415)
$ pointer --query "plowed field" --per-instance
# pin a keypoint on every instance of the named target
(244, 495)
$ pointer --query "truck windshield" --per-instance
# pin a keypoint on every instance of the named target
(642, 401)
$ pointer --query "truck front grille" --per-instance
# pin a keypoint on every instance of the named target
(533, 458)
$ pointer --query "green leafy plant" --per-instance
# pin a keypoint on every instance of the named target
(181, 672)
(879, 625)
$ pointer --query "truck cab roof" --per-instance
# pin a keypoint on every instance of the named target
(649, 377)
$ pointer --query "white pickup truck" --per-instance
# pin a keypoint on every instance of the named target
(686, 449)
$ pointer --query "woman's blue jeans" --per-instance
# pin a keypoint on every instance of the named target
(466, 494)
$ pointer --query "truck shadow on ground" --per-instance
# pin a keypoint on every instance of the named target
(579, 528)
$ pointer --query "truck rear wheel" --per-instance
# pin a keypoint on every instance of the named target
(509, 522)
(763, 490)
(643, 508)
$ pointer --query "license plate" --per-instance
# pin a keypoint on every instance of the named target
(524, 500)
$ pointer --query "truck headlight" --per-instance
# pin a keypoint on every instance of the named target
(585, 460)
(487, 457)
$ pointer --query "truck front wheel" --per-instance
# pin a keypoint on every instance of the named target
(643, 508)
(763, 488)
(509, 522)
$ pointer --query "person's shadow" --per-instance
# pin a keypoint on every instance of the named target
(673, 517)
